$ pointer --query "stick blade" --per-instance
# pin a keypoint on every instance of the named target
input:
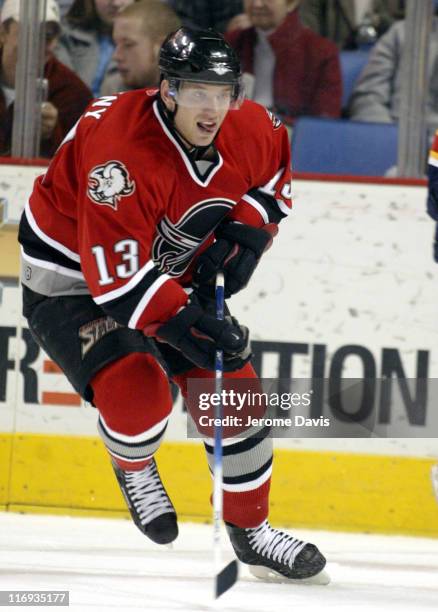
(226, 578)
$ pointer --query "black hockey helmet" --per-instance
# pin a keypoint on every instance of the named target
(201, 56)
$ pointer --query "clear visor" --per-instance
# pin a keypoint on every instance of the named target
(207, 95)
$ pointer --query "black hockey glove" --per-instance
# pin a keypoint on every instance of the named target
(236, 251)
(199, 335)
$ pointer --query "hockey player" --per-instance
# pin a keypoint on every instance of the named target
(432, 195)
(149, 195)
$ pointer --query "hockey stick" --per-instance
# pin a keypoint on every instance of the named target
(227, 576)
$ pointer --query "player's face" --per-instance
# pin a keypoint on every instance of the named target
(135, 53)
(201, 110)
(108, 9)
(268, 14)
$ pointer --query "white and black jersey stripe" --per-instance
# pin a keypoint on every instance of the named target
(270, 209)
(127, 303)
(36, 245)
(49, 267)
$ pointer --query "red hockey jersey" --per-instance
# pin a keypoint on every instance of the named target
(124, 209)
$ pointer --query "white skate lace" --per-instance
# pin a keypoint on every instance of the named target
(274, 544)
(147, 493)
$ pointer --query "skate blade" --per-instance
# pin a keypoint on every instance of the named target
(270, 575)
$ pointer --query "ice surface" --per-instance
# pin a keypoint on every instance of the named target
(108, 565)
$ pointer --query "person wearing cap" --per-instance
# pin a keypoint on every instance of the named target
(139, 30)
(67, 95)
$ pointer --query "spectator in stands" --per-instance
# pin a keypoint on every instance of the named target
(138, 33)
(206, 13)
(351, 24)
(376, 95)
(67, 96)
(86, 44)
(297, 72)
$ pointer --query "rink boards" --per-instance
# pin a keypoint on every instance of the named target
(349, 282)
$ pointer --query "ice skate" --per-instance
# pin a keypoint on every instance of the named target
(274, 555)
(149, 505)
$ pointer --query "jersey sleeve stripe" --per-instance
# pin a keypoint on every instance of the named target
(147, 297)
(152, 299)
(286, 210)
(45, 238)
(270, 185)
(58, 269)
(271, 205)
(35, 247)
(257, 206)
(116, 293)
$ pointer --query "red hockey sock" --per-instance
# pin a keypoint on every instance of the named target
(133, 398)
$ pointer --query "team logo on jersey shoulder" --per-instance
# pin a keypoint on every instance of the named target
(274, 120)
(108, 183)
